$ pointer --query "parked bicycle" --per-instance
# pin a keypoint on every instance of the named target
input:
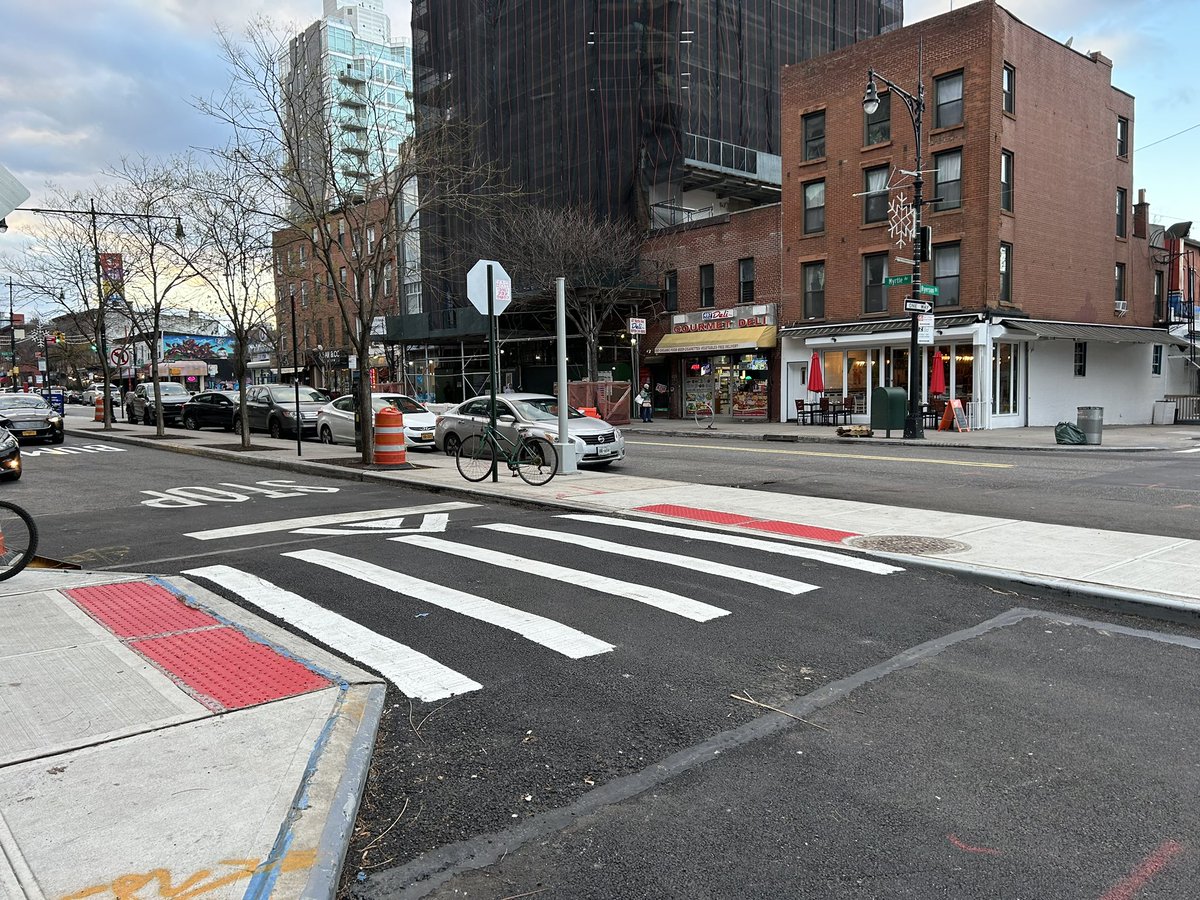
(703, 412)
(18, 539)
(529, 456)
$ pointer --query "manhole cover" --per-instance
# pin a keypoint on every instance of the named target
(908, 543)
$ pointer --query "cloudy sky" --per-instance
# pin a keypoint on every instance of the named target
(84, 82)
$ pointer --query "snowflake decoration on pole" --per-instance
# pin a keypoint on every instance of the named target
(902, 220)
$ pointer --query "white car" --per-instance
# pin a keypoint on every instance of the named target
(335, 421)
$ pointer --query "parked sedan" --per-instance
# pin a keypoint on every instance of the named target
(335, 421)
(29, 417)
(212, 409)
(596, 442)
(10, 456)
(272, 408)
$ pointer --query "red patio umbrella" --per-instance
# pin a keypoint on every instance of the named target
(937, 378)
(816, 377)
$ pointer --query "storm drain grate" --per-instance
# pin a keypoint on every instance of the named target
(907, 543)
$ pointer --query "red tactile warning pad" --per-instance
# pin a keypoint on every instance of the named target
(795, 529)
(223, 665)
(132, 609)
(712, 516)
(696, 515)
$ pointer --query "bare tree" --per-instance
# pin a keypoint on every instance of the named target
(599, 258)
(235, 262)
(340, 180)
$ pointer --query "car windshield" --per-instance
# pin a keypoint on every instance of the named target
(542, 409)
(22, 401)
(284, 394)
(170, 389)
(406, 405)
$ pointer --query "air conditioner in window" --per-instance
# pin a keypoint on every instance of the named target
(1121, 307)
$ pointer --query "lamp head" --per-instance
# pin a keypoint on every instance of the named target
(1179, 230)
(178, 229)
(871, 98)
(3, 225)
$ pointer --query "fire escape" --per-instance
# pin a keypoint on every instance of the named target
(1177, 310)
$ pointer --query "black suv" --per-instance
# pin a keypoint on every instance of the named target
(139, 405)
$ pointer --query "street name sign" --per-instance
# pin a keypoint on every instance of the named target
(477, 287)
(893, 280)
(917, 306)
(930, 289)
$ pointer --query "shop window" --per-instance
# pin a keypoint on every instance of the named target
(814, 207)
(949, 92)
(671, 291)
(1005, 380)
(1156, 358)
(746, 280)
(878, 124)
(707, 287)
(874, 292)
(814, 135)
(814, 290)
(945, 274)
(875, 194)
(1081, 359)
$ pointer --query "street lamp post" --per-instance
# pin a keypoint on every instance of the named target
(101, 326)
(14, 369)
(913, 426)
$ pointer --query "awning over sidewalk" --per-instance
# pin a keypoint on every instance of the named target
(762, 336)
(1113, 334)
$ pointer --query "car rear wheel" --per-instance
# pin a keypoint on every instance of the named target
(326, 435)
(450, 444)
(276, 429)
(237, 426)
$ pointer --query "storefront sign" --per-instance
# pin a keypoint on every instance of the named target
(745, 316)
(710, 314)
(723, 324)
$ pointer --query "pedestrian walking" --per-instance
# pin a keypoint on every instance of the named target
(645, 402)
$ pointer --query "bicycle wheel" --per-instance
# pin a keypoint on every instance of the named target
(536, 460)
(475, 458)
(18, 539)
(704, 415)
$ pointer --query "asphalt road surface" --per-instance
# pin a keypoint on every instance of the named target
(1145, 492)
(581, 708)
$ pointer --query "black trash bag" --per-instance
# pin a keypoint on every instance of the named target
(1068, 433)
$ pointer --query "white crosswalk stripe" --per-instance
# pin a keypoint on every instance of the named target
(414, 673)
(665, 600)
(693, 563)
(550, 634)
(735, 540)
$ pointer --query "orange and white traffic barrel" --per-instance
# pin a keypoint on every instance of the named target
(389, 438)
(99, 408)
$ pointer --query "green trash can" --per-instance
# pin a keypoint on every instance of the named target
(1090, 420)
(888, 409)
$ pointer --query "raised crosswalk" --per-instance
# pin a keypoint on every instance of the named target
(422, 677)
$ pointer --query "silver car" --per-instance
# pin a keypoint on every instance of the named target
(596, 442)
(335, 421)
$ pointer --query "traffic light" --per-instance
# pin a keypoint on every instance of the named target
(926, 238)
(92, 347)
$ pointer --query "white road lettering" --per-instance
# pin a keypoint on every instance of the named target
(550, 634)
(201, 495)
(67, 451)
(414, 673)
(429, 523)
(329, 519)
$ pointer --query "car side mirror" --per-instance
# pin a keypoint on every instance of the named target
(505, 420)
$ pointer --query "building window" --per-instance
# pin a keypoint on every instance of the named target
(874, 292)
(332, 333)
(814, 290)
(1122, 200)
(949, 92)
(1008, 84)
(387, 280)
(303, 254)
(320, 334)
(671, 291)
(1122, 136)
(1119, 284)
(342, 275)
(1156, 358)
(746, 280)
(814, 135)
(1006, 180)
(878, 126)
(875, 200)
(1081, 358)
(945, 274)
(814, 207)
(1160, 308)
(341, 232)
(707, 292)
(947, 185)
(1006, 252)
(370, 238)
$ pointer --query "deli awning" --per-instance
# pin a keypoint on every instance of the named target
(761, 336)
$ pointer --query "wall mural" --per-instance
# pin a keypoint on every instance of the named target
(196, 346)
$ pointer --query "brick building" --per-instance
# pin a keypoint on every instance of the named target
(1042, 263)
(1045, 275)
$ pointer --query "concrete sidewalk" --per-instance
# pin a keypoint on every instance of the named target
(157, 736)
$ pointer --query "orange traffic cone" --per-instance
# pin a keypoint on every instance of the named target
(389, 438)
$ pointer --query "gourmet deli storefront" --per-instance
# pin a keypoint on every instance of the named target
(726, 357)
